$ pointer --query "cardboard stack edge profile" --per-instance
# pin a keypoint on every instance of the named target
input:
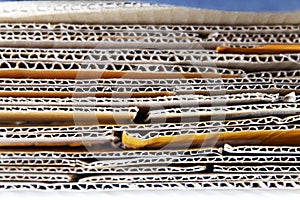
(130, 95)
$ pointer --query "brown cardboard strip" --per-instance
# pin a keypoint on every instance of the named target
(79, 115)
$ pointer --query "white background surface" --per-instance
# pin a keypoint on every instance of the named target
(206, 194)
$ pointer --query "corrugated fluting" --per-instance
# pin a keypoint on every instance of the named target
(144, 105)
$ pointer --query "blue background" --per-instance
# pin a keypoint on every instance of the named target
(237, 5)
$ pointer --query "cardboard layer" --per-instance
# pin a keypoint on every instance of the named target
(155, 102)
(142, 128)
(194, 160)
(137, 60)
(254, 135)
(94, 70)
(78, 91)
(145, 88)
(270, 150)
(103, 171)
(132, 13)
(37, 162)
(79, 115)
(56, 139)
(103, 155)
(63, 178)
(129, 39)
(283, 89)
(274, 169)
(15, 186)
(163, 28)
(193, 114)
(189, 178)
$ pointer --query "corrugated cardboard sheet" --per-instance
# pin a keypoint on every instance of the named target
(129, 95)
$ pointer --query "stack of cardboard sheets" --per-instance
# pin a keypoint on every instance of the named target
(97, 96)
